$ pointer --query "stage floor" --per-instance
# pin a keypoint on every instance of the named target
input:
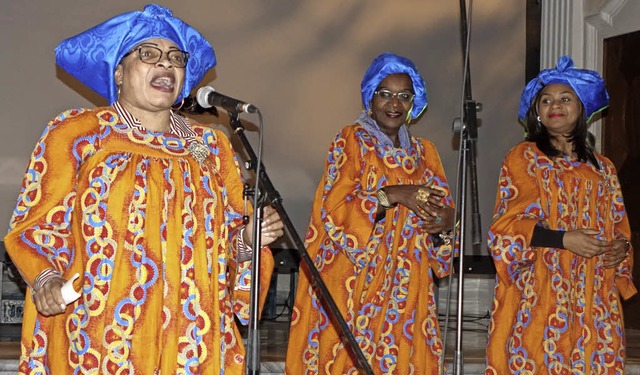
(274, 335)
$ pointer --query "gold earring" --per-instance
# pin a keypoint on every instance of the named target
(408, 119)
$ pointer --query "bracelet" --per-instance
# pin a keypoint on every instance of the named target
(446, 236)
(626, 242)
(383, 199)
(245, 252)
(44, 277)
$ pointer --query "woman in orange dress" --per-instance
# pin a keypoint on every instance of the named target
(145, 206)
(559, 238)
(379, 217)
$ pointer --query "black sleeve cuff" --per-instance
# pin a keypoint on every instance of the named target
(543, 237)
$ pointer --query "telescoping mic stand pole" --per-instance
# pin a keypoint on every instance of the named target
(269, 191)
(468, 131)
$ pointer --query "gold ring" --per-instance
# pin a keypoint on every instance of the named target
(423, 195)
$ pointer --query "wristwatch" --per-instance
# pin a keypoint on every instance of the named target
(383, 199)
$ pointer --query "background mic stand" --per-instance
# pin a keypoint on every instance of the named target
(272, 195)
(468, 131)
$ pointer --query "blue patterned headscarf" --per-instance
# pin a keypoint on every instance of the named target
(389, 63)
(587, 84)
(92, 56)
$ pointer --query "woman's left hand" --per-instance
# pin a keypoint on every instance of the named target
(442, 221)
(271, 229)
(618, 252)
(439, 216)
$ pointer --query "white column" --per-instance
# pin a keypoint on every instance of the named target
(556, 31)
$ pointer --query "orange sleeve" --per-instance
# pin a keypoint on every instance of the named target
(622, 229)
(440, 256)
(347, 210)
(517, 211)
(40, 229)
(227, 165)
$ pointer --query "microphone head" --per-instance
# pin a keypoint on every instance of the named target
(202, 96)
(249, 108)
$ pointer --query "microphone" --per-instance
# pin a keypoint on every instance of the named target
(208, 97)
(190, 105)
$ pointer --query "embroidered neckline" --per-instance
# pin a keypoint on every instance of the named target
(372, 127)
(178, 126)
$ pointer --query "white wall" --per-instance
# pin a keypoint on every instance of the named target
(300, 62)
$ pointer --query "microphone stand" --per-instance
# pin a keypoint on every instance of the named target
(466, 164)
(253, 339)
(268, 190)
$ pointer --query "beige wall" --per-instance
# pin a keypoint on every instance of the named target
(300, 62)
(593, 6)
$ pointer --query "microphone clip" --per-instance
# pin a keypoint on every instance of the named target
(190, 105)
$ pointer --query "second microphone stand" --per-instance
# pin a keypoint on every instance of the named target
(271, 195)
(468, 130)
(466, 163)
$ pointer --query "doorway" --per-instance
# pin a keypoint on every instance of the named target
(621, 139)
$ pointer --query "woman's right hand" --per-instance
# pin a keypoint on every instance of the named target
(48, 298)
(583, 242)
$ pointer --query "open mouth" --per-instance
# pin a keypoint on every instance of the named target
(163, 82)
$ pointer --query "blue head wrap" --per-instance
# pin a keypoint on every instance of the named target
(587, 84)
(387, 64)
(92, 56)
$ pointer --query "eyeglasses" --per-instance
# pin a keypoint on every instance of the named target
(151, 55)
(387, 95)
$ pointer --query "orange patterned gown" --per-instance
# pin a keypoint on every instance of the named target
(380, 274)
(555, 312)
(151, 232)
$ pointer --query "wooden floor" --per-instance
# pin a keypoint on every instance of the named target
(274, 335)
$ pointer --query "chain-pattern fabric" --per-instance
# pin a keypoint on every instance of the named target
(556, 312)
(152, 232)
(380, 273)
